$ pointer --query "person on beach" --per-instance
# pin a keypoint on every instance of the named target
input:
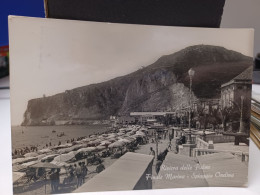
(79, 175)
(152, 152)
(57, 180)
(100, 168)
(52, 178)
(84, 170)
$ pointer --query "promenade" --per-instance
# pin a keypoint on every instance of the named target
(218, 169)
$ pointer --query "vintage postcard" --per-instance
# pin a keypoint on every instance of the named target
(107, 107)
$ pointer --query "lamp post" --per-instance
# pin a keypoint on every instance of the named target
(241, 124)
(156, 146)
(191, 73)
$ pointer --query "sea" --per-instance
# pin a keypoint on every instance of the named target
(39, 136)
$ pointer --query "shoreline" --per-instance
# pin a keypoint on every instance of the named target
(107, 161)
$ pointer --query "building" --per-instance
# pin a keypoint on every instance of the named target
(149, 117)
(125, 120)
(206, 104)
(237, 94)
(239, 87)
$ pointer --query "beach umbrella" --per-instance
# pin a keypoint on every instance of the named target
(17, 176)
(45, 165)
(140, 133)
(23, 160)
(92, 136)
(88, 149)
(97, 141)
(92, 139)
(17, 156)
(136, 135)
(128, 129)
(75, 147)
(17, 160)
(116, 144)
(31, 154)
(65, 145)
(124, 141)
(68, 144)
(128, 133)
(78, 142)
(60, 164)
(85, 145)
(49, 157)
(45, 150)
(101, 147)
(27, 164)
(143, 129)
(18, 168)
(86, 139)
(106, 142)
(131, 138)
(111, 136)
(41, 156)
(91, 143)
(133, 131)
(64, 150)
(72, 148)
(65, 157)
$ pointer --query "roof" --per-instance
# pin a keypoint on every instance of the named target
(246, 75)
(150, 113)
(123, 174)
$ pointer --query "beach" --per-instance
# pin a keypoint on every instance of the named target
(121, 140)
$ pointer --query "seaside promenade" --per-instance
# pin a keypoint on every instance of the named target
(217, 169)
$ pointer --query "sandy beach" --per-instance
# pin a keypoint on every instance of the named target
(43, 186)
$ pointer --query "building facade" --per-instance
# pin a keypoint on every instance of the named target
(236, 94)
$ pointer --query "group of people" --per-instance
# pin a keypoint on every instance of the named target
(55, 179)
(23, 151)
(79, 171)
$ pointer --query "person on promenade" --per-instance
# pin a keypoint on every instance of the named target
(158, 165)
(169, 145)
(152, 152)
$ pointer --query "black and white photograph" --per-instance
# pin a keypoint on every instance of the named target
(107, 107)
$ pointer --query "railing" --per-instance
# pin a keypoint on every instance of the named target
(220, 138)
(243, 156)
(204, 145)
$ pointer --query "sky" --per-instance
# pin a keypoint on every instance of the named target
(49, 56)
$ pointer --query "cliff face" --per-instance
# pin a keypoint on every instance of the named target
(161, 86)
